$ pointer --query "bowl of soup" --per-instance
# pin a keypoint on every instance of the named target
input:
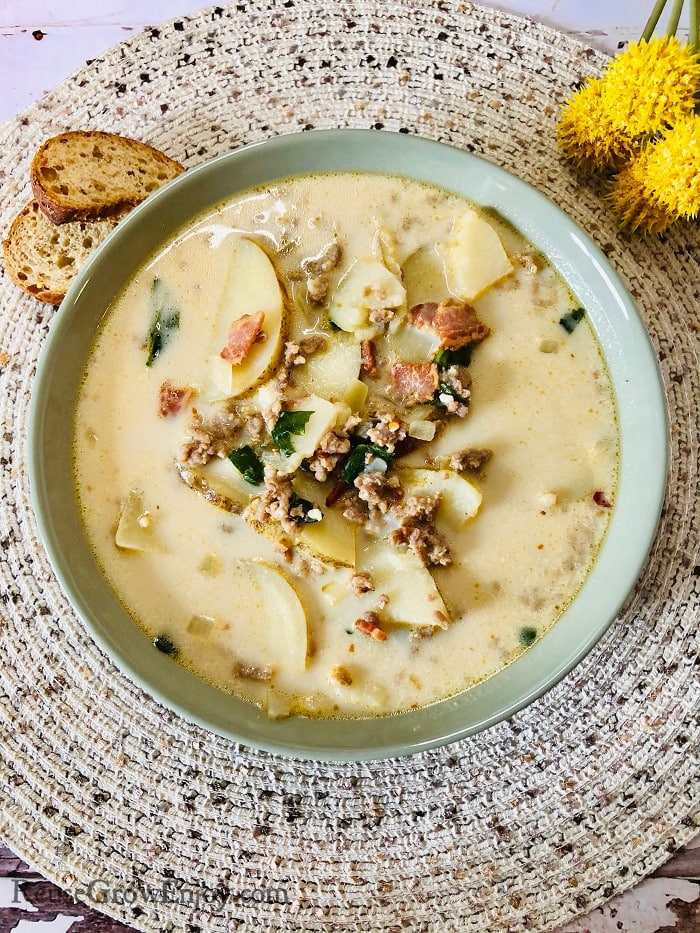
(347, 445)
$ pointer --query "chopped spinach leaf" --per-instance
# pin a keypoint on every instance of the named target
(166, 319)
(461, 357)
(570, 320)
(446, 389)
(165, 644)
(248, 464)
(288, 423)
(356, 462)
(527, 636)
(299, 510)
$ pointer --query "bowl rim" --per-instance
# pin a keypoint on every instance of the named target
(567, 245)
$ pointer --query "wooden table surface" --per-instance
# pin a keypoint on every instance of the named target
(42, 42)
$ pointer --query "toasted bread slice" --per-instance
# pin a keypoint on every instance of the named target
(81, 175)
(43, 258)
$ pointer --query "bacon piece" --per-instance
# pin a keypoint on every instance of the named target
(242, 334)
(369, 359)
(173, 398)
(457, 325)
(422, 315)
(414, 383)
(336, 492)
(369, 625)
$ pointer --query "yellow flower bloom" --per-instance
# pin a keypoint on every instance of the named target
(635, 202)
(645, 89)
(652, 84)
(674, 167)
(662, 184)
(587, 133)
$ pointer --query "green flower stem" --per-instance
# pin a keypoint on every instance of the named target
(694, 33)
(653, 19)
(674, 17)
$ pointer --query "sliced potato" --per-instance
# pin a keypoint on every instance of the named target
(331, 374)
(412, 344)
(325, 415)
(459, 499)
(135, 531)
(277, 635)
(252, 285)
(221, 474)
(360, 694)
(385, 248)
(367, 286)
(331, 540)
(424, 277)
(474, 256)
(219, 482)
(414, 598)
(356, 395)
(272, 530)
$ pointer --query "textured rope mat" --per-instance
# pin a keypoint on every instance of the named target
(521, 828)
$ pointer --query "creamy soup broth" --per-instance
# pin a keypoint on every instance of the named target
(229, 589)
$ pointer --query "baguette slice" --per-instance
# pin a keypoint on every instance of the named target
(43, 258)
(81, 175)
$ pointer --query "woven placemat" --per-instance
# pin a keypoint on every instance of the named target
(521, 828)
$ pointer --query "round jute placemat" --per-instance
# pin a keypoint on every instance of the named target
(520, 828)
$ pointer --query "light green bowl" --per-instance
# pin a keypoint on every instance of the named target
(632, 364)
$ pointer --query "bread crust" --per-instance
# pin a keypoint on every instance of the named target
(43, 259)
(92, 175)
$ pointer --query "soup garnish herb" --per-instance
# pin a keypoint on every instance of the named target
(166, 319)
(570, 321)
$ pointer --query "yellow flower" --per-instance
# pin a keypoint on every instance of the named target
(645, 89)
(587, 133)
(652, 84)
(662, 184)
(635, 203)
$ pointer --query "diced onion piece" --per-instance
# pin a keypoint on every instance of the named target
(201, 626)
(135, 530)
(375, 465)
(334, 591)
(211, 565)
(422, 430)
(277, 705)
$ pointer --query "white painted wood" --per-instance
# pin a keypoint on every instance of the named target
(76, 32)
